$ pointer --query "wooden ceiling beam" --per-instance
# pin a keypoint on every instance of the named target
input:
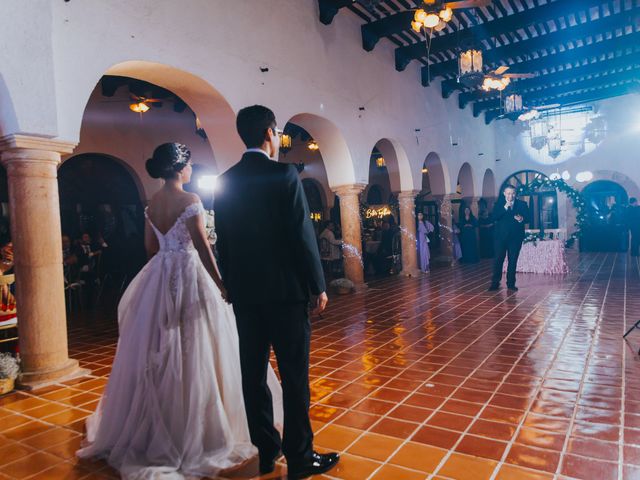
(556, 94)
(493, 29)
(521, 52)
(582, 97)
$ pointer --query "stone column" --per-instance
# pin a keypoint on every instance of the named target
(350, 223)
(445, 225)
(31, 164)
(408, 229)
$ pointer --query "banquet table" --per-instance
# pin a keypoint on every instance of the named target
(543, 256)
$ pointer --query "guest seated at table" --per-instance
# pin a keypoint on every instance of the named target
(330, 248)
(485, 224)
(468, 240)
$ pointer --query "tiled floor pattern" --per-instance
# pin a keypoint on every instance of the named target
(426, 378)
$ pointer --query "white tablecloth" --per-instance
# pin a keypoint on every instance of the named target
(546, 256)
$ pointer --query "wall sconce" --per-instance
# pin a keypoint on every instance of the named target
(313, 146)
(380, 162)
(285, 143)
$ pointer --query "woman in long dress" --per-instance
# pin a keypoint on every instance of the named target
(424, 229)
(173, 406)
(485, 232)
(468, 236)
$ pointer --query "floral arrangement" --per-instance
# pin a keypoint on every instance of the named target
(342, 285)
(9, 366)
(575, 196)
(533, 238)
(210, 226)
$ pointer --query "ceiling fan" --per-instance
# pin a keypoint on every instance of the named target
(435, 14)
(498, 80)
(141, 104)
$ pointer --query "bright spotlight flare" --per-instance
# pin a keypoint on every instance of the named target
(207, 183)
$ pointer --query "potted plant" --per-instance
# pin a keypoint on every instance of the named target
(342, 286)
(9, 369)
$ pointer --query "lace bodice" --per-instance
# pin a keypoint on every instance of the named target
(177, 238)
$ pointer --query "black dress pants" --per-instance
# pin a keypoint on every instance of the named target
(287, 328)
(510, 248)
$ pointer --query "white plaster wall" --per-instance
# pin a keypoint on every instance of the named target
(219, 47)
(109, 127)
(617, 157)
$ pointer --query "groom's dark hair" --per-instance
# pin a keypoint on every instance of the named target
(252, 123)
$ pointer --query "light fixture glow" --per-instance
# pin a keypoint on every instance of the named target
(207, 183)
(566, 175)
(313, 145)
(446, 14)
(380, 162)
(582, 177)
(431, 20)
(425, 170)
(140, 107)
(555, 176)
(420, 15)
(416, 26)
(441, 26)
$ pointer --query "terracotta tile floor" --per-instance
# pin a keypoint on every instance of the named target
(424, 378)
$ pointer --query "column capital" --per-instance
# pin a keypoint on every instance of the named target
(31, 149)
(17, 141)
(408, 194)
(346, 190)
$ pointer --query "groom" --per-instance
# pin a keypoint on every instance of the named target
(509, 215)
(270, 263)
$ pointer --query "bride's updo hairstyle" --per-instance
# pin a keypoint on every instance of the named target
(168, 160)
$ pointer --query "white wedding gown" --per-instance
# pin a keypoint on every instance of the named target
(173, 407)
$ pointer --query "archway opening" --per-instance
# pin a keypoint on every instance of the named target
(102, 218)
(605, 229)
(542, 202)
(434, 183)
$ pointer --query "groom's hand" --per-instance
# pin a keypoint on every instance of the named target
(321, 303)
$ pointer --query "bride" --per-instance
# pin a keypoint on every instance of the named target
(173, 406)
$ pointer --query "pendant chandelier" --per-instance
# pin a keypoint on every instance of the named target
(470, 63)
(435, 20)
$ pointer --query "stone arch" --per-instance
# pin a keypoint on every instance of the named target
(335, 153)
(214, 112)
(465, 180)
(437, 175)
(488, 184)
(397, 162)
(620, 178)
(122, 163)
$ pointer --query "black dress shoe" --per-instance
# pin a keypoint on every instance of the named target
(512, 288)
(493, 288)
(268, 465)
(319, 463)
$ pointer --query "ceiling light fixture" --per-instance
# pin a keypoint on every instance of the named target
(140, 107)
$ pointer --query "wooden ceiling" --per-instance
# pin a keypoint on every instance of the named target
(579, 50)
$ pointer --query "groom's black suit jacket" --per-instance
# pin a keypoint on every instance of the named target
(507, 228)
(266, 242)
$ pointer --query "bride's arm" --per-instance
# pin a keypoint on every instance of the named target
(150, 241)
(195, 224)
